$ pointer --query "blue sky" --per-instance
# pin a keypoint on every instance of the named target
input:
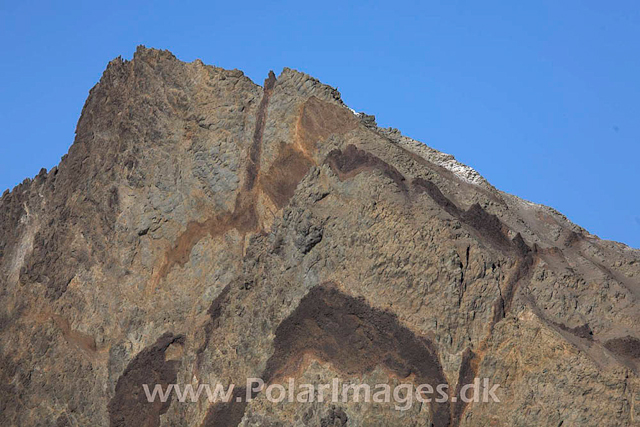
(542, 99)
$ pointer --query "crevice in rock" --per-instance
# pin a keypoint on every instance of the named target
(256, 146)
(466, 375)
(244, 217)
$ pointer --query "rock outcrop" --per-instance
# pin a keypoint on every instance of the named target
(204, 229)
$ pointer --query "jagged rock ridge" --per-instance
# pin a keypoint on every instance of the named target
(204, 229)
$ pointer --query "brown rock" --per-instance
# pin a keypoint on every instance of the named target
(204, 229)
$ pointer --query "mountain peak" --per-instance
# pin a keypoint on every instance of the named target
(205, 229)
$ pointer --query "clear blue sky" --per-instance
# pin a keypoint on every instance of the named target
(542, 99)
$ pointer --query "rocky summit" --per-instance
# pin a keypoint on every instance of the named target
(203, 229)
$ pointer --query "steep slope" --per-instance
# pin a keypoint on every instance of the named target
(204, 229)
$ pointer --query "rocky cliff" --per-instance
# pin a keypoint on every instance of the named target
(205, 229)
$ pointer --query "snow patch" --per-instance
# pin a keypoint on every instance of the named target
(447, 161)
(462, 171)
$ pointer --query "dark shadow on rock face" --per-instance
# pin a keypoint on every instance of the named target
(282, 178)
(214, 312)
(129, 405)
(355, 338)
(486, 224)
(625, 346)
(352, 161)
(582, 331)
(224, 414)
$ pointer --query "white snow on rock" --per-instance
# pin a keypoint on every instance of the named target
(462, 171)
(444, 160)
(447, 161)
(355, 113)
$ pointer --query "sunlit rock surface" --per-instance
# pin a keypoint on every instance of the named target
(205, 229)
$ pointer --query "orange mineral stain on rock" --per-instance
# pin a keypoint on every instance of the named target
(81, 340)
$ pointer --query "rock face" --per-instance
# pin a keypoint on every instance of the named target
(204, 229)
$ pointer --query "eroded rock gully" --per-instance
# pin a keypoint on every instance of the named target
(204, 229)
